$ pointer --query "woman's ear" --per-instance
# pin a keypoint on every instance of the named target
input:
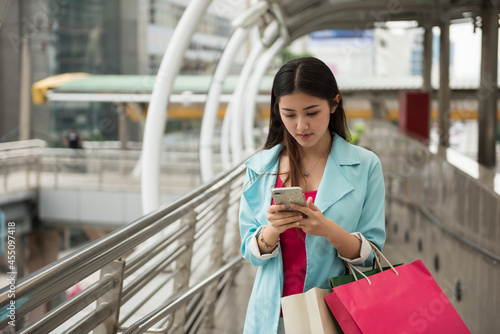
(336, 101)
(337, 98)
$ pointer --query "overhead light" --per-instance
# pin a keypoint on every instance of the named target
(401, 24)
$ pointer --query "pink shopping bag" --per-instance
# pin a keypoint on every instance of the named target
(407, 302)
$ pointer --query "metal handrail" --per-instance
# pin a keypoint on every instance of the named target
(22, 144)
(136, 262)
(150, 295)
(47, 282)
(152, 318)
(146, 277)
(47, 322)
(38, 163)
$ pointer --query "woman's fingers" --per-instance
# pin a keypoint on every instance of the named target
(307, 210)
(310, 204)
(281, 219)
(275, 208)
(304, 209)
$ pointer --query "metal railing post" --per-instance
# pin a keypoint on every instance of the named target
(217, 257)
(112, 297)
(237, 237)
(183, 264)
(182, 217)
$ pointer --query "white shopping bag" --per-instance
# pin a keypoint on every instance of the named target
(308, 313)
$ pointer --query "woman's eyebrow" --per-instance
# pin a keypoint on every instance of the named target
(306, 108)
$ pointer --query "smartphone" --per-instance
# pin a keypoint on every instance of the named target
(287, 196)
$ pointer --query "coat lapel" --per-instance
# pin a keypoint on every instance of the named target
(335, 184)
(264, 165)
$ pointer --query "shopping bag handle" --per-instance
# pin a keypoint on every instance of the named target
(375, 263)
(353, 268)
(377, 259)
(378, 255)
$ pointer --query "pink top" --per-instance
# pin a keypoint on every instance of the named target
(293, 251)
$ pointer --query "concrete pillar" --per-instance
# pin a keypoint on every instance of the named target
(25, 96)
(25, 79)
(379, 108)
(427, 67)
(10, 69)
(3, 10)
(444, 82)
(122, 125)
(427, 59)
(487, 93)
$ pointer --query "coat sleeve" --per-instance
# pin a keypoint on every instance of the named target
(372, 219)
(248, 226)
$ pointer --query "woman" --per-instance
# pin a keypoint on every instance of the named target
(343, 184)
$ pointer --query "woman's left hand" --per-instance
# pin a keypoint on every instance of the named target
(315, 223)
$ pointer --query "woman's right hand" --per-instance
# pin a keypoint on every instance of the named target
(280, 221)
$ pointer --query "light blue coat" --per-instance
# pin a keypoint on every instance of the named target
(351, 193)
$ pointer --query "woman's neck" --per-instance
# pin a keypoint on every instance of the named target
(321, 149)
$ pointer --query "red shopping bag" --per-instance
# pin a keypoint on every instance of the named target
(403, 302)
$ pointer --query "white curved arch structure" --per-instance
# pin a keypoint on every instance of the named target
(279, 22)
(157, 112)
(253, 91)
(231, 137)
(212, 104)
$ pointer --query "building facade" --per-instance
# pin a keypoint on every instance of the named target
(97, 37)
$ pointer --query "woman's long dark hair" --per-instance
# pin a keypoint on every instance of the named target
(310, 76)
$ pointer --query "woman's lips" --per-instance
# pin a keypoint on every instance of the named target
(305, 136)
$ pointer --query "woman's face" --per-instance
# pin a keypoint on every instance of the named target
(306, 118)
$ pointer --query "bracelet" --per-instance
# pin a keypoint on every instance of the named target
(264, 243)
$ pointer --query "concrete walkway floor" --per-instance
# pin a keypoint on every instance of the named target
(231, 309)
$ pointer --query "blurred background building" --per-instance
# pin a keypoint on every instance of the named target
(129, 37)
(97, 37)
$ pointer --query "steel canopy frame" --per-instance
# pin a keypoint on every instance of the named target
(293, 22)
(244, 23)
(277, 34)
(253, 89)
(169, 68)
(247, 89)
(231, 128)
(156, 120)
(212, 104)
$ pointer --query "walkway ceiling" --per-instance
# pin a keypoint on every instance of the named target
(303, 17)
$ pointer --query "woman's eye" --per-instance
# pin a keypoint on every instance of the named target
(289, 115)
(312, 113)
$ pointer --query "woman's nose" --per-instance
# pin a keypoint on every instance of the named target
(302, 123)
